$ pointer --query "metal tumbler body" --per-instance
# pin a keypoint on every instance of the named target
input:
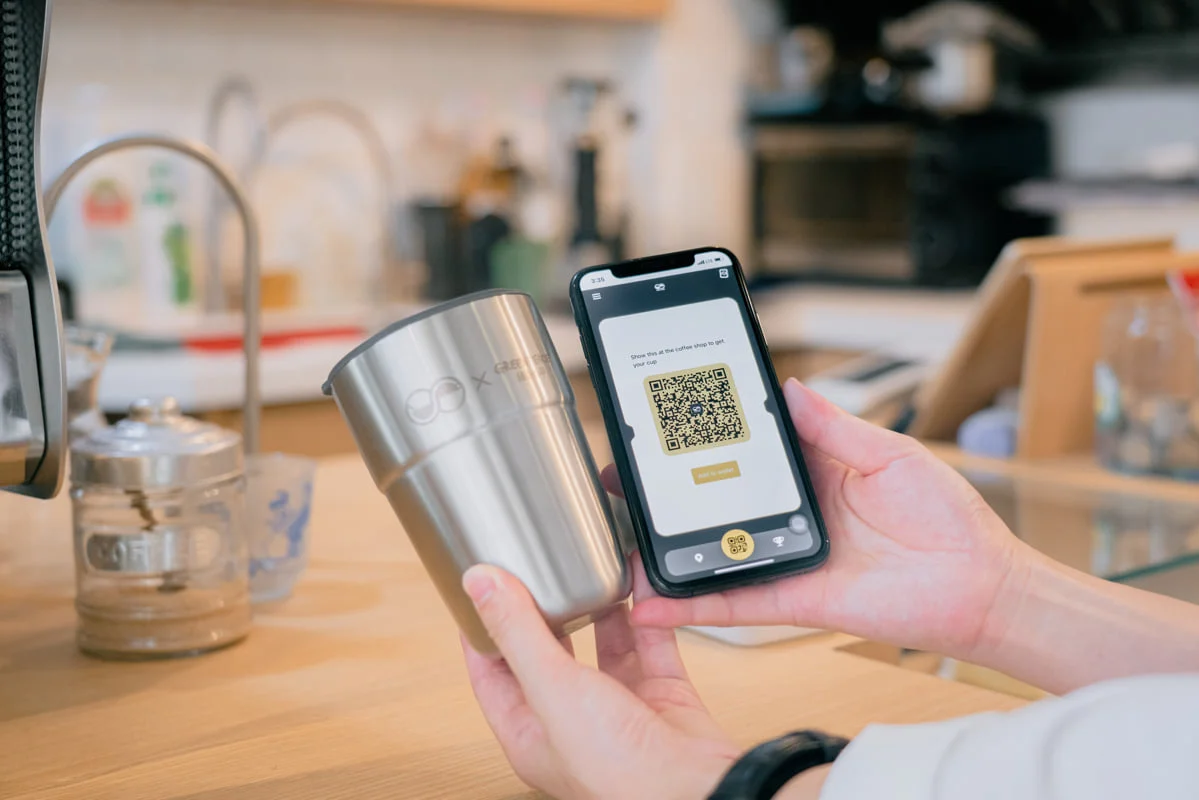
(468, 425)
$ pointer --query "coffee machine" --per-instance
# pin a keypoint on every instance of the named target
(32, 371)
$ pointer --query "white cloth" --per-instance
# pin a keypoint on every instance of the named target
(1128, 738)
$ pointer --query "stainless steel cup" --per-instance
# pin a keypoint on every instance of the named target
(468, 425)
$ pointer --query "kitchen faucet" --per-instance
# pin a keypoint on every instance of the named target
(251, 305)
(264, 134)
(226, 93)
(376, 149)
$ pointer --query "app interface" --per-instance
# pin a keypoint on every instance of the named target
(714, 467)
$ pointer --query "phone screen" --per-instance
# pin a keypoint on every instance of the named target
(718, 477)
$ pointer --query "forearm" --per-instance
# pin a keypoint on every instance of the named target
(1058, 629)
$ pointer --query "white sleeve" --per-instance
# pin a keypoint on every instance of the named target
(1134, 737)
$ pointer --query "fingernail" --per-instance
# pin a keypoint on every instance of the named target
(479, 583)
(792, 390)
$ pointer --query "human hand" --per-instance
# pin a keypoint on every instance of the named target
(917, 557)
(634, 728)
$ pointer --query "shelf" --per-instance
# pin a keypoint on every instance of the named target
(1056, 197)
(1136, 60)
(1136, 530)
(632, 10)
(1077, 471)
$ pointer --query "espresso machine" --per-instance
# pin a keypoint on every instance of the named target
(32, 374)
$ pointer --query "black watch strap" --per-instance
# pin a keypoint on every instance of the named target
(760, 773)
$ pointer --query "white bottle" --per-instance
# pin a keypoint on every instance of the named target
(92, 234)
(108, 265)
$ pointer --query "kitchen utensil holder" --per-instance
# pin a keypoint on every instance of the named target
(251, 305)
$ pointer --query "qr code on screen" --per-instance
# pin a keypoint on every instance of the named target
(696, 409)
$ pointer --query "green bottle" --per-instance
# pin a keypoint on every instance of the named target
(166, 244)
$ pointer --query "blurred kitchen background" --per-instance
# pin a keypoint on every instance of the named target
(873, 164)
(868, 161)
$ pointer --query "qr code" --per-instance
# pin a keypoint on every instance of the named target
(696, 409)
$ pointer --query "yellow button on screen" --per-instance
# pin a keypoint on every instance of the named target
(737, 545)
(716, 472)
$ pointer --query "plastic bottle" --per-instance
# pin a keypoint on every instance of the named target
(167, 284)
(108, 264)
(91, 235)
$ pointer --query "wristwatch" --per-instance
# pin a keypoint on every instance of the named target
(760, 773)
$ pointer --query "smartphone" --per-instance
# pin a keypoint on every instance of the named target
(717, 488)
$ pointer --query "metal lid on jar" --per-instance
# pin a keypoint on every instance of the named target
(156, 447)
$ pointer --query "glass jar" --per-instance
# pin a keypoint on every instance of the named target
(1147, 391)
(159, 528)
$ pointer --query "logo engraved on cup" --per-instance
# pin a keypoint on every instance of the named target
(425, 405)
(525, 368)
(449, 394)
(421, 407)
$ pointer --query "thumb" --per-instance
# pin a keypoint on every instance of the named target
(611, 480)
(515, 624)
(854, 442)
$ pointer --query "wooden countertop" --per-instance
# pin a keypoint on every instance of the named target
(352, 689)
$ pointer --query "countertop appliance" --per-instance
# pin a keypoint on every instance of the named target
(32, 373)
(907, 200)
(962, 56)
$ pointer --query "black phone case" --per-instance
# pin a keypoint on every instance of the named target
(624, 465)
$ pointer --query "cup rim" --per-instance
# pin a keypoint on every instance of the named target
(466, 299)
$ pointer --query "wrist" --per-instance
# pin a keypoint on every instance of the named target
(775, 769)
(707, 775)
(1060, 629)
(1009, 609)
